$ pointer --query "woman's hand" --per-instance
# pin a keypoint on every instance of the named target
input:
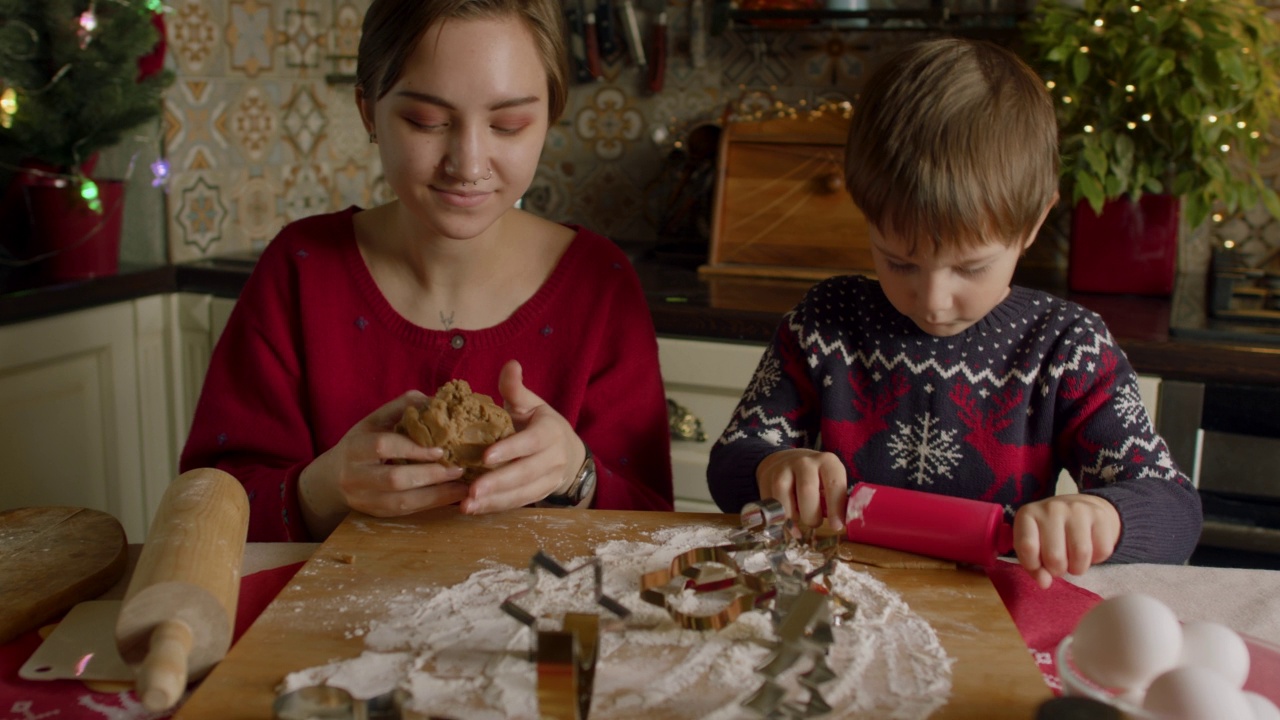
(1064, 534)
(541, 458)
(805, 481)
(378, 471)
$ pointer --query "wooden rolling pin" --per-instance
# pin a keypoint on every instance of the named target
(180, 609)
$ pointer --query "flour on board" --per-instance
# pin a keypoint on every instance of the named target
(461, 656)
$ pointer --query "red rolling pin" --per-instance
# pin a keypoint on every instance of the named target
(941, 526)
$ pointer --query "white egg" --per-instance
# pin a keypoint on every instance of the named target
(1263, 709)
(1192, 693)
(1124, 642)
(1215, 647)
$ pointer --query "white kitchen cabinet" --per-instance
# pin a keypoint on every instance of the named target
(706, 378)
(198, 323)
(84, 415)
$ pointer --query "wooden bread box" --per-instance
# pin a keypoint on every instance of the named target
(781, 209)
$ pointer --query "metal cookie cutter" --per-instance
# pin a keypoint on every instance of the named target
(567, 667)
(803, 631)
(566, 658)
(322, 702)
(656, 587)
(542, 561)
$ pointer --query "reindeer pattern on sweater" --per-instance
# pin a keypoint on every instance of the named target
(993, 413)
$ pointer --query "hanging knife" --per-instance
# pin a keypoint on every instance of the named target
(593, 47)
(605, 29)
(658, 52)
(577, 44)
(635, 44)
(697, 33)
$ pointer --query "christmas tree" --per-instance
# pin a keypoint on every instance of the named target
(75, 76)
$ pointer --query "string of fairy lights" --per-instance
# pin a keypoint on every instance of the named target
(1210, 117)
(752, 105)
(10, 100)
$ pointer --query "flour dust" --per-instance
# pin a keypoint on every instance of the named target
(460, 656)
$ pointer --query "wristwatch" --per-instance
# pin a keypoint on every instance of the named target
(584, 483)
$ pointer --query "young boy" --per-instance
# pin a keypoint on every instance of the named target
(940, 376)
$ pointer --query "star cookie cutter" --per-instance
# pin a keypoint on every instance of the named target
(325, 702)
(566, 658)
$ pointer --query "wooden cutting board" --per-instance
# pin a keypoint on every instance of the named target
(994, 676)
(52, 558)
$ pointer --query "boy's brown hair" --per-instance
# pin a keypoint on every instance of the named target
(392, 29)
(954, 141)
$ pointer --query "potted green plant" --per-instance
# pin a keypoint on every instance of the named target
(75, 77)
(1163, 105)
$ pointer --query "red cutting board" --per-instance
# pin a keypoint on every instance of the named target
(52, 558)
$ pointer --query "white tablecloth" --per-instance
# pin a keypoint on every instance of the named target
(1247, 601)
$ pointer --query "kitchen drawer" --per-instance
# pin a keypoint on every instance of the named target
(706, 379)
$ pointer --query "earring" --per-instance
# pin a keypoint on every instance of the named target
(373, 137)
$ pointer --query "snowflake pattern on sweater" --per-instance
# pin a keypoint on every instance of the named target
(994, 413)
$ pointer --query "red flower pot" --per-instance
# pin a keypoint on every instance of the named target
(1131, 248)
(76, 241)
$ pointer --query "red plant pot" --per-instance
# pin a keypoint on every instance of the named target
(1128, 249)
(79, 242)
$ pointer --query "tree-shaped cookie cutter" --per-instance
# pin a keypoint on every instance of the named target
(801, 611)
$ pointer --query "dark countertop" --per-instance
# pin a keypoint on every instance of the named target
(1168, 337)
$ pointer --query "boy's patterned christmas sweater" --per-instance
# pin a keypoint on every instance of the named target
(993, 413)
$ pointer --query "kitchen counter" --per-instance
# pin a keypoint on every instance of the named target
(1168, 337)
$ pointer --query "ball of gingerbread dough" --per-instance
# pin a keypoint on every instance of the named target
(461, 422)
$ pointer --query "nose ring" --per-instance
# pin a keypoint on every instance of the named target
(477, 182)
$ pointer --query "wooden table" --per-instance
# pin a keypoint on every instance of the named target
(993, 677)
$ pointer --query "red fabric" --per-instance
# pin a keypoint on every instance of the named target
(1045, 617)
(313, 347)
(72, 700)
(256, 593)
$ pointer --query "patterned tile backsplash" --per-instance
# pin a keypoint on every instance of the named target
(261, 128)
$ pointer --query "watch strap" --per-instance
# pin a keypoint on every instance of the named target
(584, 482)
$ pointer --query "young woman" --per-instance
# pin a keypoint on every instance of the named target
(351, 316)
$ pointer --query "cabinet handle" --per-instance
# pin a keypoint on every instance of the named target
(684, 424)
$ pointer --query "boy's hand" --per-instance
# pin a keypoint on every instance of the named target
(803, 480)
(1064, 534)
